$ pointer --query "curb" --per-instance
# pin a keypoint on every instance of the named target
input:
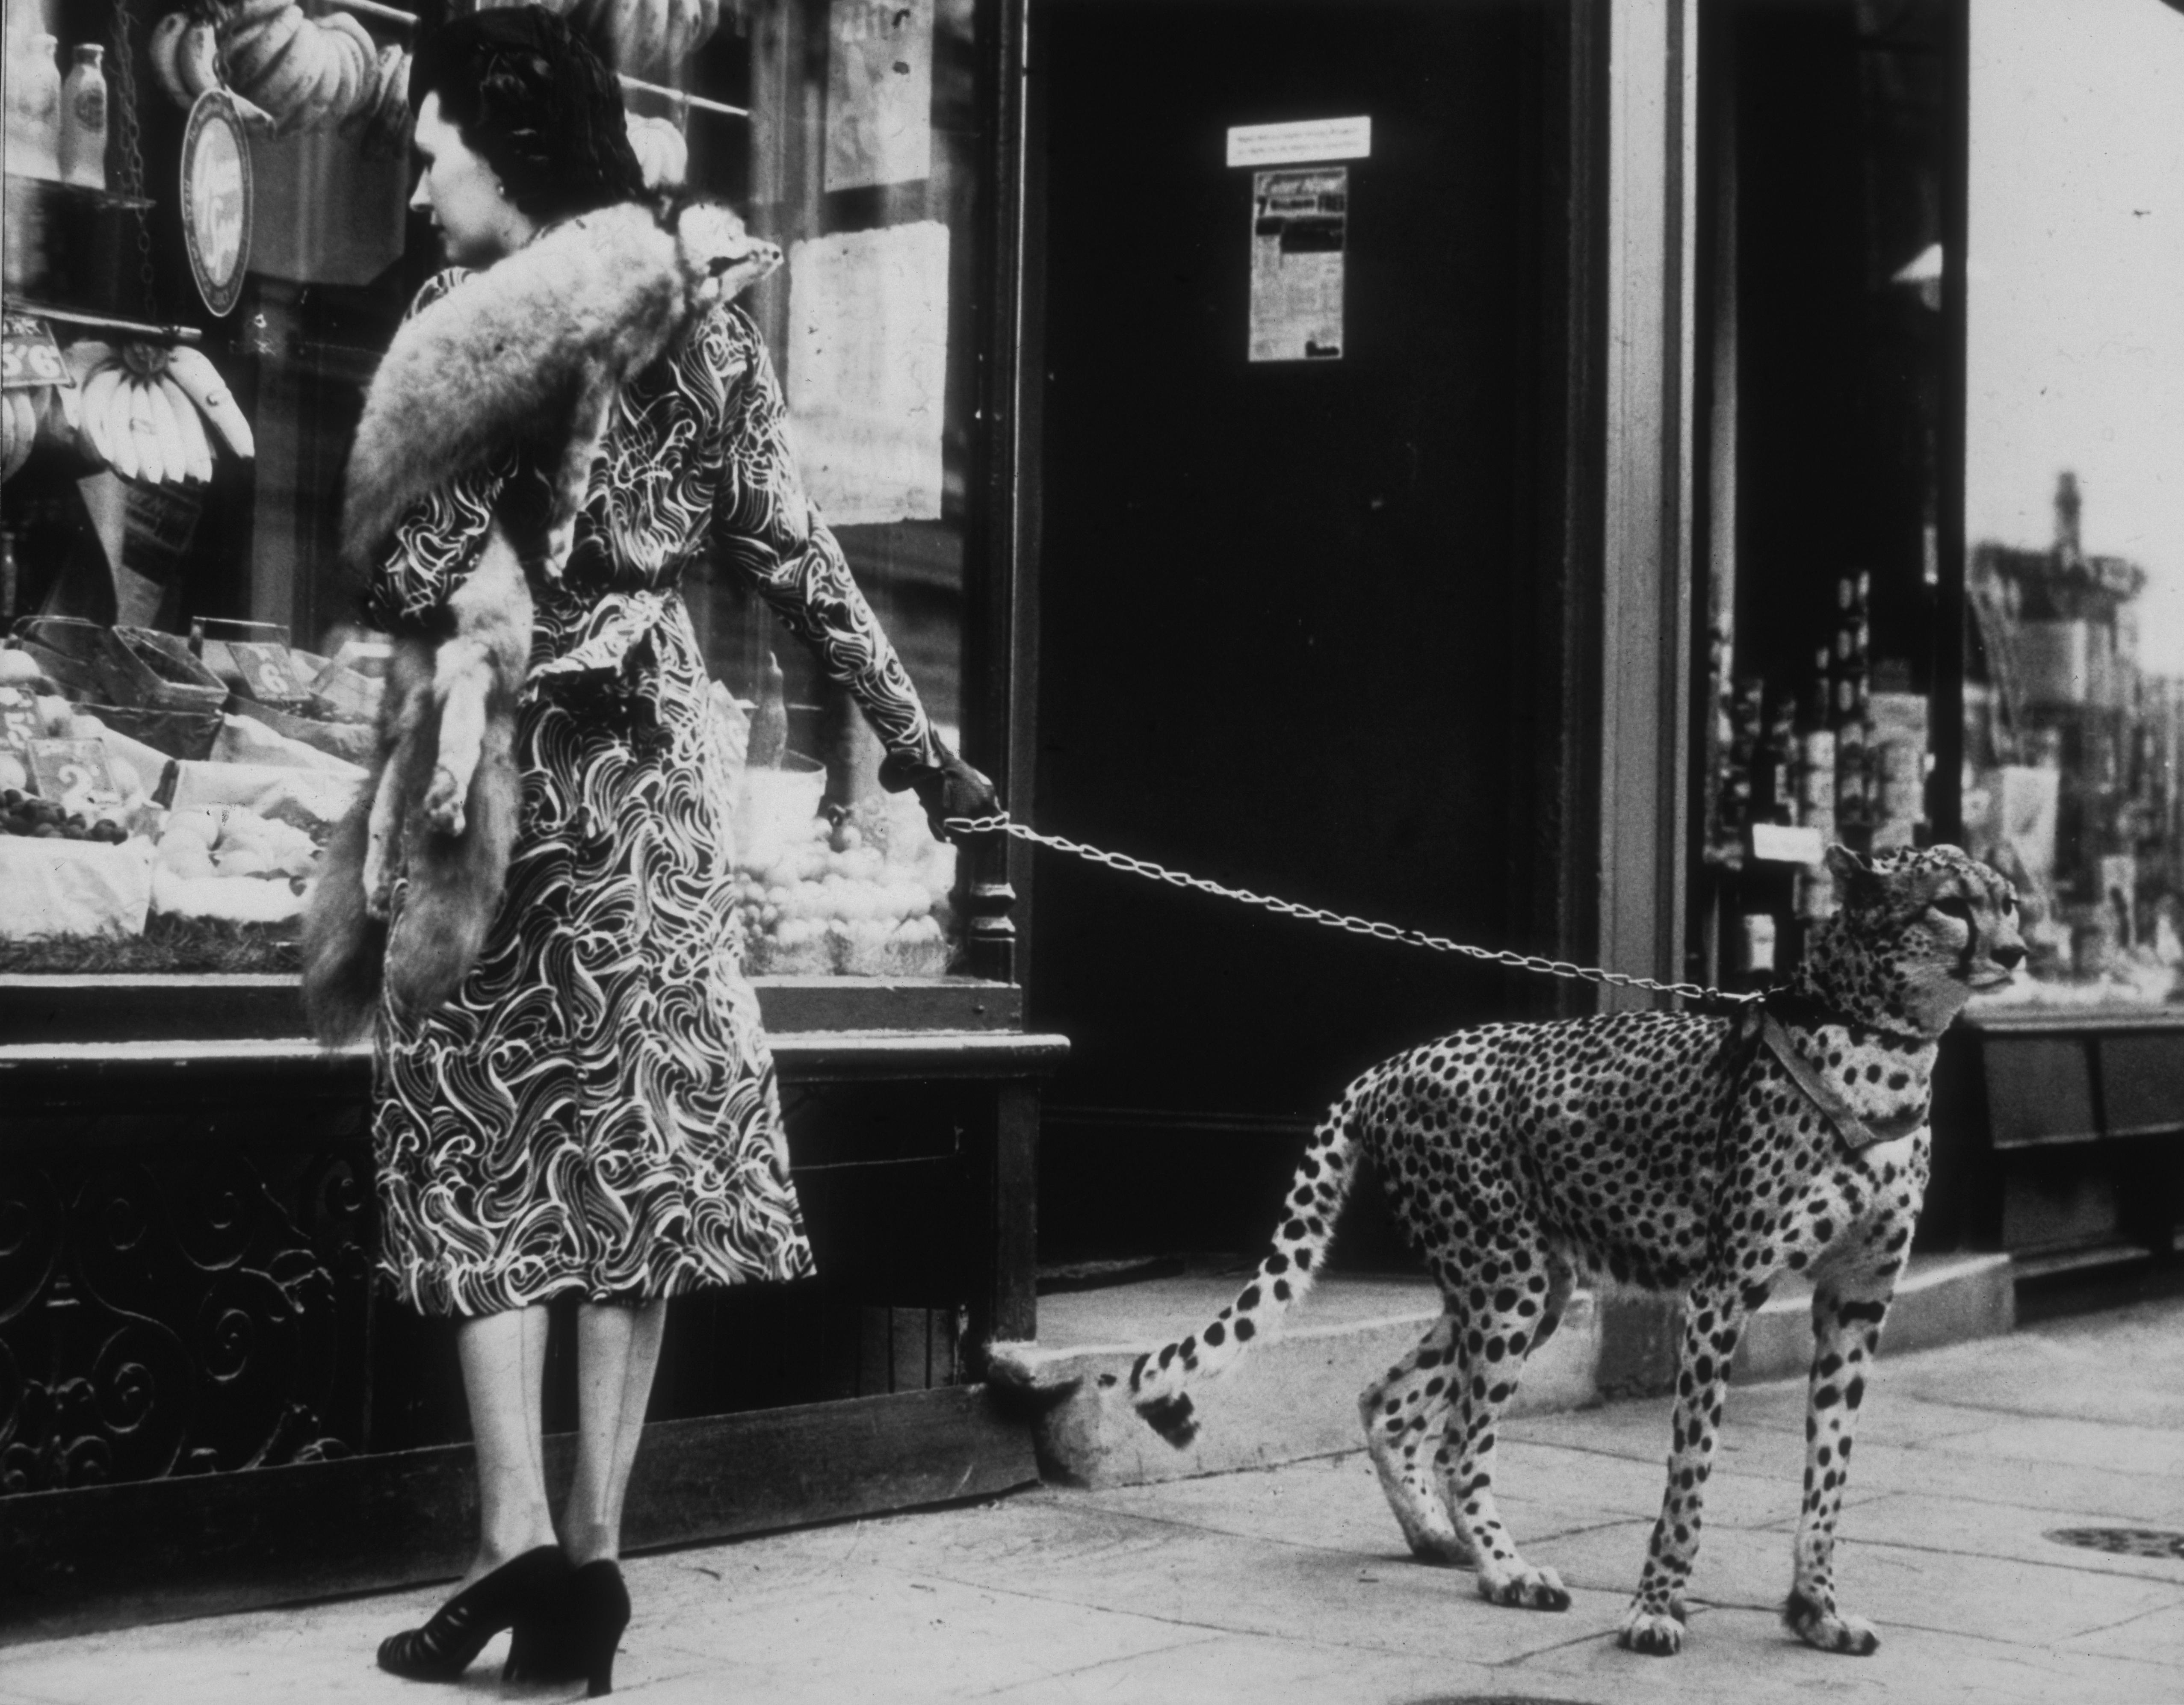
(1297, 1396)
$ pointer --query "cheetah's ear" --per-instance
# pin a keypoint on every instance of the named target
(1860, 882)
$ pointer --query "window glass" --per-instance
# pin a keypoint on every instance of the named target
(2074, 702)
(848, 131)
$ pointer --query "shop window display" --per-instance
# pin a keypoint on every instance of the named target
(2074, 700)
(186, 686)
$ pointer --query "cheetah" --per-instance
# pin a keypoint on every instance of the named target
(1673, 1152)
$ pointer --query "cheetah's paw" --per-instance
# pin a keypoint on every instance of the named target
(1527, 1589)
(1828, 1629)
(1656, 1634)
(1449, 1550)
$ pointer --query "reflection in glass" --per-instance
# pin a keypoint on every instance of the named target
(2074, 705)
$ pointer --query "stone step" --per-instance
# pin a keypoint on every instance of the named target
(1296, 1396)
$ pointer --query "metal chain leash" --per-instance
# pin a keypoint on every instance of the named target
(1001, 824)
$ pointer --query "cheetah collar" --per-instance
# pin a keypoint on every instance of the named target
(1855, 1132)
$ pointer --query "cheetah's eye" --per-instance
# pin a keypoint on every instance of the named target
(1954, 906)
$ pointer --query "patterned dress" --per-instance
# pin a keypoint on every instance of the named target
(595, 1112)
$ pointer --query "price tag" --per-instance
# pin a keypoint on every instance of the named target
(270, 670)
(75, 772)
(29, 357)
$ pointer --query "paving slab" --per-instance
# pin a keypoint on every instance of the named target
(1290, 1584)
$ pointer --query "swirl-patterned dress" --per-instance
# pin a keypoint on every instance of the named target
(596, 1113)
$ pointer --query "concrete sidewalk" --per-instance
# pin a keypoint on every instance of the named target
(1290, 1584)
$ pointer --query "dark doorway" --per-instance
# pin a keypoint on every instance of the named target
(1302, 622)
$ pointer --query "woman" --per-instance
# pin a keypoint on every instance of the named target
(595, 1112)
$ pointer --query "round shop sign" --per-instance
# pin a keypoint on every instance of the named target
(216, 199)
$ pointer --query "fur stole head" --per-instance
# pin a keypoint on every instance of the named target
(503, 359)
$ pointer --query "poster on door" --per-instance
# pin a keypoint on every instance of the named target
(1299, 225)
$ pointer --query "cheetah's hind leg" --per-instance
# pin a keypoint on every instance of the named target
(1403, 1416)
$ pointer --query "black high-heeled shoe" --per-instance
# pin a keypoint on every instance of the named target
(576, 1642)
(446, 1645)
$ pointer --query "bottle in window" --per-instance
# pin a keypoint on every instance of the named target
(83, 119)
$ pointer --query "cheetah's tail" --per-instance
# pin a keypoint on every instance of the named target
(1322, 1180)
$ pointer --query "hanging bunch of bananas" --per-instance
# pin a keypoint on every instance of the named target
(304, 74)
(648, 37)
(143, 409)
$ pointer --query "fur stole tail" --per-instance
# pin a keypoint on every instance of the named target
(454, 881)
(344, 945)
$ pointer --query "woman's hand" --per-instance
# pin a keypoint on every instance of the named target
(954, 789)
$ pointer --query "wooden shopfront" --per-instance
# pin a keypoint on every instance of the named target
(203, 1402)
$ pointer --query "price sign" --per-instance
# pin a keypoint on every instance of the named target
(29, 357)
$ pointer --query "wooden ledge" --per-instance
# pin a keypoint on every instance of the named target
(144, 1075)
(39, 1007)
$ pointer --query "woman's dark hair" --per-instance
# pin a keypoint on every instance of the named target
(536, 104)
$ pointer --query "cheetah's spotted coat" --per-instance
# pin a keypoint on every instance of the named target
(1659, 1149)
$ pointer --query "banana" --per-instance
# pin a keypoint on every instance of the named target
(144, 433)
(683, 19)
(202, 384)
(17, 435)
(160, 48)
(285, 82)
(87, 355)
(248, 12)
(189, 429)
(173, 452)
(197, 62)
(340, 74)
(113, 447)
(639, 30)
(365, 51)
(98, 390)
(255, 48)
(358, 118)
(391, 123)
(310, 68)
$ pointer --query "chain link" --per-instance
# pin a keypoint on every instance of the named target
(1001, 824)
(132, 152)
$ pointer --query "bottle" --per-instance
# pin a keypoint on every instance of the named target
(34, 109)
(83, 119)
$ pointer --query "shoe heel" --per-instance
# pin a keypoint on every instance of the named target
(600, 1612)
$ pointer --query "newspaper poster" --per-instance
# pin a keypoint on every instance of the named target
(1299, 224)
(879, 92)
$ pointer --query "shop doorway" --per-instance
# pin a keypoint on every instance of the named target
(1302, 616)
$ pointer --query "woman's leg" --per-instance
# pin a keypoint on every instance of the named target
(504, 1360)
(617, 1349)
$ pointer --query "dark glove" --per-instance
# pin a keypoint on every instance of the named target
(955, 789)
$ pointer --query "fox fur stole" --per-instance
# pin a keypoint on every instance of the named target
(528, 353)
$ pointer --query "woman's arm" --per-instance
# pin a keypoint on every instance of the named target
(765, 525)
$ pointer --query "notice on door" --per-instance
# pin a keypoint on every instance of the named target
(1299, 225)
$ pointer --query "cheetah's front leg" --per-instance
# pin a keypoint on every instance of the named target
(1714, 1316)
(1847, 1312)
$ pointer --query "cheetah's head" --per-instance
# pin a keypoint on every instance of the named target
(1921, 930)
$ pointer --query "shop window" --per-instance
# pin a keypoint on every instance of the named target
(851, 133)
(2073, 695)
